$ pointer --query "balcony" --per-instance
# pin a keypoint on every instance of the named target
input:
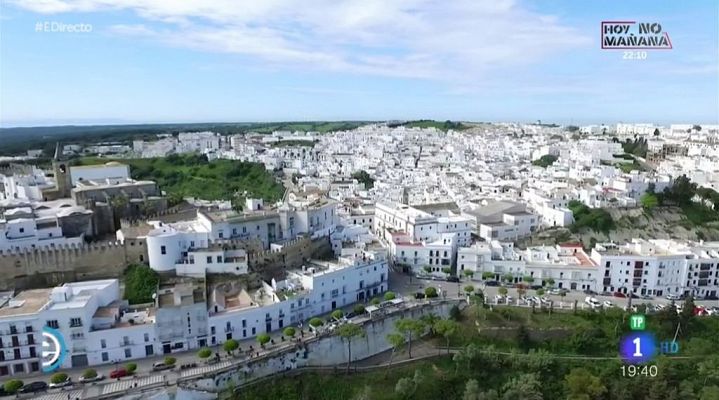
(124, 343)
(229, 329)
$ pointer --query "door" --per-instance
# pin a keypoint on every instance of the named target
(166, 349)
(79, 360)
(149, 350)
(268, 327)
(334, 305)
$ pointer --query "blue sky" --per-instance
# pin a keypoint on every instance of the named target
(225, 60)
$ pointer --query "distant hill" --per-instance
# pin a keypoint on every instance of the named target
(19, 140)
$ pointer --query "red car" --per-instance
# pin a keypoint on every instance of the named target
(620, 295)
(118, 373)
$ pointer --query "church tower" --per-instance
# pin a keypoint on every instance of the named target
(61, 169)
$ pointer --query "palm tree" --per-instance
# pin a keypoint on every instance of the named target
(347, 332)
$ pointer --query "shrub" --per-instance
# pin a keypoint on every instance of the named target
(359, 309)
(389, 296)
(89, 374)
(230, 345)
(289, 331)
(263, 339)
(337, 314)
(316, 322)
(204, 353)
(469, 289)
(375, 301)
(58, 377)
(131, 368)
(170, 360)
(430, 292)
(12, 385)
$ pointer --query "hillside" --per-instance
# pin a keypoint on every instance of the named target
(193, 175)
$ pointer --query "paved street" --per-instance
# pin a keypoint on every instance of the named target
(400, 283)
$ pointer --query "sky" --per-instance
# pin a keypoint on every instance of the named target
(153, 61)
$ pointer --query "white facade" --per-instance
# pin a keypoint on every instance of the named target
(113, 172)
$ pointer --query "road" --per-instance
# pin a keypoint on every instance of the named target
(407, 286)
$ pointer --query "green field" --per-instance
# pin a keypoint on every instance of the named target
(193, 175)
(440, 125)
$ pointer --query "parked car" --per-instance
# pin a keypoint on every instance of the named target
(118, 373)
(419, 295)
(558, 291)
(161, 366)
(620, 295)
(95, 378)
(711, 297)
(592, 302)
(452, 279)
(34, 387)
(491, 283)
(672, 296)
(647, 297)
(590, 292)
(498, 299)
(536, 287)
(66, 382)
(608, 304)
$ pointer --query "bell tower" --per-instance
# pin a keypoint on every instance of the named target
(61, 169)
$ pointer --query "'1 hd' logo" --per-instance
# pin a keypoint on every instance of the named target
(53, 349)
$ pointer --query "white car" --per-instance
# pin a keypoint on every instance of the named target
(96, 378)
(607, 304)
(592, 302)
(509, 299)
(66, 382)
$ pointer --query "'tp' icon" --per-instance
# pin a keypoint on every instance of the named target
(637, 322)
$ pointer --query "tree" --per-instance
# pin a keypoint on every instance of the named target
(447, 270)
(469, 289)
(427, 269)
(363, 177)
(550, 282)
(348, 332)
(454, 313)
(364, 394)
(395, 340)
(289, 331)
(230, 346)
(508, 277)
(13, 385)
(389, 296)
(429, 320)
(656, 132)
(359, 309)
(686, 317)
(337, 315)
(447, 328)
(316, 322)
(170, 361)
(502, 291)
(375, 301)
(468, 273)
(649, 201)
(709, 370)
(540, 292)
(405, 387)
(523, 387)
(579, 383)
(430, 292)
(409, 328)
(528, 279)
(709, 393)
(204, 353)
(471, 390)
(131, 368)
(521, 290)
(140, 284)
(545, 161)
(487, 276)
(263, 339)
(89, 373)
(59, 377)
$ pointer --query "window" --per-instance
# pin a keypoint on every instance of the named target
(128, 352)
(103, 344)
(53, 324)
(219, 259)
(209, 259)
(105, 357)
(163, 250)
(222, 234)
(147, 337)
(75, 322)
(22, 230)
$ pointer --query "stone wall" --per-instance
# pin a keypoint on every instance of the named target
(52, 266)
(324, 351)
(293, 255)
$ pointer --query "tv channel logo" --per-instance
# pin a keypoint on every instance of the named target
(53, 349)
(637, 347)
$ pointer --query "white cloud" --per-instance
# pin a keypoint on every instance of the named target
(461, 41)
